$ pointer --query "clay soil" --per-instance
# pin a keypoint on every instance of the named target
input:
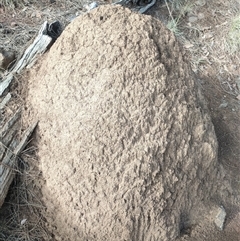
(202, 30)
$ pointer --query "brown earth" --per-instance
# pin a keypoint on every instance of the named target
(216, 69)
(126, 146)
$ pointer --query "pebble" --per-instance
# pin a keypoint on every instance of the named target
(220, 217)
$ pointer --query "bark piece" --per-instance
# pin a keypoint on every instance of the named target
(8, 164)
(5, 101)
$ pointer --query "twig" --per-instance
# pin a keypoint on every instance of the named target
(170, 13)
(144, 9)
(25, 139)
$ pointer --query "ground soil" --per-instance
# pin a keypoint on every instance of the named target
(124, 130)
(217, 72)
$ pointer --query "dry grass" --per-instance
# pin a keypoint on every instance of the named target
(18, 26)
(212, 41)
(177, 11)
(22, 210)
(14, 3)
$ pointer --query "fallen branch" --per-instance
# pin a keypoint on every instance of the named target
(46, 36)
(38, 46)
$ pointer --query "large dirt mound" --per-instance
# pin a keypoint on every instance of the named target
(126, 146)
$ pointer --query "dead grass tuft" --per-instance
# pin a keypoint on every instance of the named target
(177, 11)
(14, 3)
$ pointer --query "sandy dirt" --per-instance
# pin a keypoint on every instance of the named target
(215, 70)
(126, 145)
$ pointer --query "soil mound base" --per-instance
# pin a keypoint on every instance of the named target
(126, 146)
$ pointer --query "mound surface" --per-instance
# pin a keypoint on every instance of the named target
(126, 147)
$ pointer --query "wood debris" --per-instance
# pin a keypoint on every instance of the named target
(11, 145)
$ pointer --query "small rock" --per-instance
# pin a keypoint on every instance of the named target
(23, 221)
(220, 217)
(201, 16)
(208, 36)
(91, 6)
(14, 24)
(192, 19)
(201, 3)
(188, 45)
(224, 104)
